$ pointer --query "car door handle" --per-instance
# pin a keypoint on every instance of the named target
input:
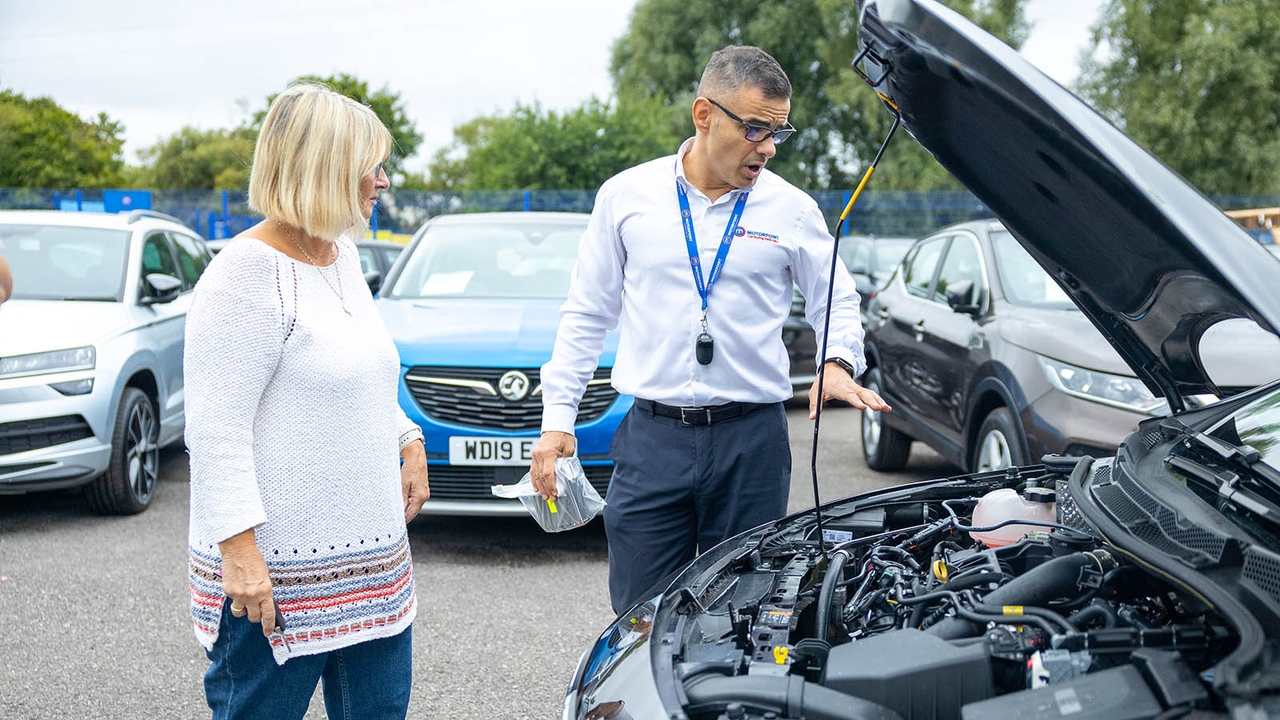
(919, 328)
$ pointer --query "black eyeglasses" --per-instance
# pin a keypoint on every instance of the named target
(758, 133)
(377, 171)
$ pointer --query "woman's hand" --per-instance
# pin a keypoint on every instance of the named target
(246, 582)
(413, 479)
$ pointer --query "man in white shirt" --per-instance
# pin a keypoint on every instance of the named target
(704, 453)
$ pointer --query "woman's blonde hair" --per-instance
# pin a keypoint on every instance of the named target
(314, 148)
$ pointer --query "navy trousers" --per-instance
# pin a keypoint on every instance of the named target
(678, 490)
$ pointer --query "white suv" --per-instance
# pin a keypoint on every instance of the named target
(91, 351)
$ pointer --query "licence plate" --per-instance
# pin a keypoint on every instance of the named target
(490, 451)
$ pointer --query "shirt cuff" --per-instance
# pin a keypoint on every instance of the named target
(559, 418)
(857, 361)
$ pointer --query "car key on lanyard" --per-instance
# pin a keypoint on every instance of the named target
(704, 346)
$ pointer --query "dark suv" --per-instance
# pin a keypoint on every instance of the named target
(986, 359)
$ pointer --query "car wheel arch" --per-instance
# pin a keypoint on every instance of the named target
(991, 392)
(872, 357)
(145, 380)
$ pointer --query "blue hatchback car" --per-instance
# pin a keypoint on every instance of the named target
(473, 305)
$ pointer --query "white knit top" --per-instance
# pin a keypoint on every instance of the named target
(293, 428)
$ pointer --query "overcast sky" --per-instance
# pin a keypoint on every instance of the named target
(157, 65)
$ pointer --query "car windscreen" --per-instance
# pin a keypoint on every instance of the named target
(495, 260)
(1257, 425)
(1023, 280)
(56, 262)
(889, 252)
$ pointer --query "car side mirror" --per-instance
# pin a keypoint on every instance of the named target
(374, 280)
(158, 289)
(960, 297)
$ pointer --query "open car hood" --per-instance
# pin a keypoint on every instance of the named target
(1147, 258)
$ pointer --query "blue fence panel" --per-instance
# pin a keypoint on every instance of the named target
(27, 199)
(220, 214)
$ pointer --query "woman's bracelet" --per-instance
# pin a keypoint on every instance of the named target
(409, 436)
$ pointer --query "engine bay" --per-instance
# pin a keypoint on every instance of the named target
(912, 610)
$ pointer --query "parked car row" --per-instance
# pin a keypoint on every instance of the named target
(91, 349)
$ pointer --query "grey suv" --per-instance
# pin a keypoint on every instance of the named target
(986, 359)
(91, 351)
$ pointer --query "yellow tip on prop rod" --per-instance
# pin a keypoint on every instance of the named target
(897, 120)
(854, 198)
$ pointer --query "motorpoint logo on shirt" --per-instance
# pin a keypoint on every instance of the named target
(756, 235)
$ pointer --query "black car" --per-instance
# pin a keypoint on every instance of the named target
(1142, 585)
(802, 347)
(376, 258)
(871, 260)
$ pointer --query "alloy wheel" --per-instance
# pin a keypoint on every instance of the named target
(871, 429)
(142, 454)
(994, 453)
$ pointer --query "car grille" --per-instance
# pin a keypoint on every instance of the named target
(471, 482)
(470, 396)
(24, 435)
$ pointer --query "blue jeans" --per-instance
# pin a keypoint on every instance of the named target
(365, 681)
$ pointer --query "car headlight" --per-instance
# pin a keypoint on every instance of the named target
(82, 358)
(1115, 390)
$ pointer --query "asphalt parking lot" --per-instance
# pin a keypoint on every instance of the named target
(93, 610)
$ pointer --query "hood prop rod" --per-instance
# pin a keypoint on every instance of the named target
(826, 323)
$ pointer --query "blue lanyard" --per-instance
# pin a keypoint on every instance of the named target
(686, 219)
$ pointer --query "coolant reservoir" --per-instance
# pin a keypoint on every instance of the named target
(995, 507)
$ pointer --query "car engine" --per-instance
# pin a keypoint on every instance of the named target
(915, 612)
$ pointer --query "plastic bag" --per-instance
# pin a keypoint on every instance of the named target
(576, 502)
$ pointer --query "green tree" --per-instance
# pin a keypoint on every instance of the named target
(1195, 82)
(43, 145)
(386, 104)
(841, 122)
(220, 159)
(533, 148)
(195, 159)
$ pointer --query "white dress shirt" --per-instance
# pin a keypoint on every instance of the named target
(633, 264)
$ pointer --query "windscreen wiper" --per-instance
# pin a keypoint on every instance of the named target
(1242, 457)
(1229, 488)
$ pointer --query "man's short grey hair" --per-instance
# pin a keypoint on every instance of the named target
(741, 66)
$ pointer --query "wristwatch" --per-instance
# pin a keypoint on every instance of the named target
(848, 366)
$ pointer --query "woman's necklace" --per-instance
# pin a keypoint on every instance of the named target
(342, 300)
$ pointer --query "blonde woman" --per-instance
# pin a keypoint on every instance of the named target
(304, 470)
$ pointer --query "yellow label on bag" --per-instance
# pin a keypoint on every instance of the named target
(552, 504)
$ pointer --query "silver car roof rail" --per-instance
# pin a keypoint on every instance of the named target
(136, 215)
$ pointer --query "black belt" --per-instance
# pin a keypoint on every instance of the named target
(704, 415)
